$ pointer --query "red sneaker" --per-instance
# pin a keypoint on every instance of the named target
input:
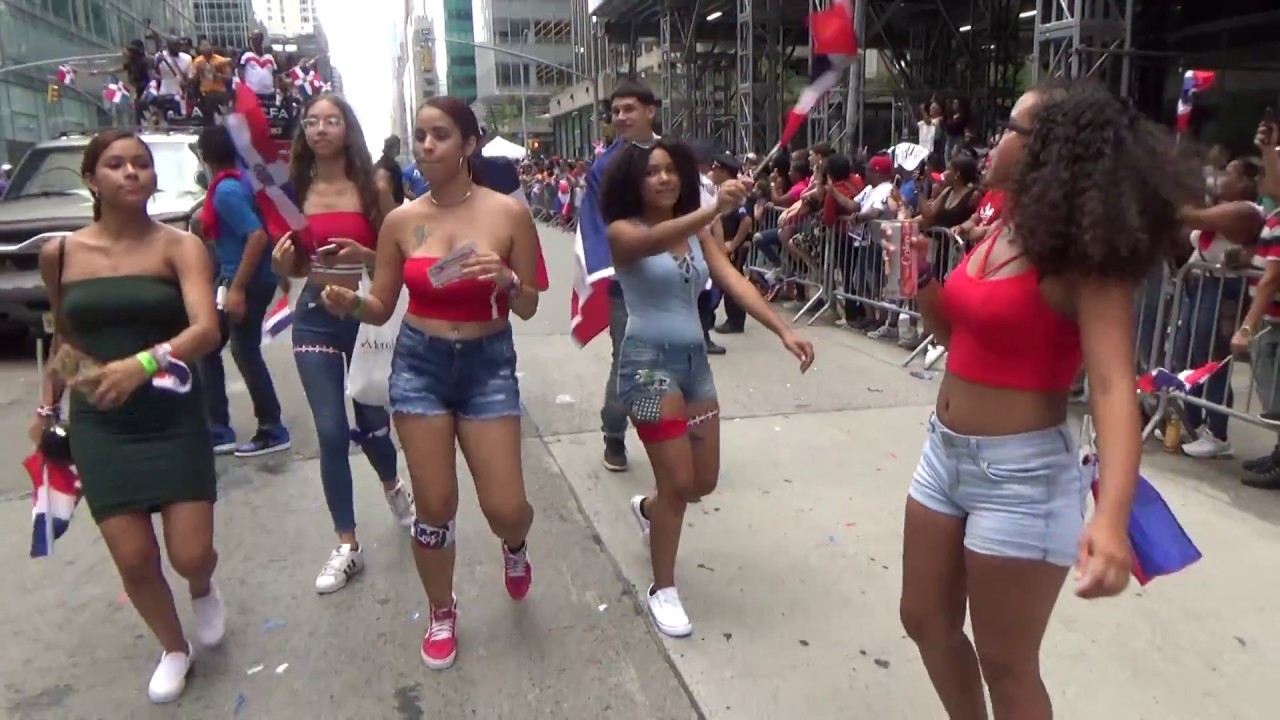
(440, 644)
(518, 571)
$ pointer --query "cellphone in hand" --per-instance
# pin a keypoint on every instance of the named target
(327, 249)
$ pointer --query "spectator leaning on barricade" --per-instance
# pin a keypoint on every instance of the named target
(736, 227)
(1261, 327)
(1211, 301)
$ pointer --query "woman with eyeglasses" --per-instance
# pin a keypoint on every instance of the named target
(663, 254)
(333, 176)
(995, 517)
(453, 377)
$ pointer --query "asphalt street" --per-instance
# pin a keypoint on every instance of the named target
(790, 572)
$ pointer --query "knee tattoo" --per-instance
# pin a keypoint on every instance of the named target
(431, 537)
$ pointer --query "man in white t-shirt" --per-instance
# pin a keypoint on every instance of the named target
(172, 69)
(258, 67)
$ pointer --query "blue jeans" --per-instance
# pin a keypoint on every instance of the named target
(471, 379)
(770, 245)
(1198, 330)
(613, 416)
(1021, 496)
(647, 371)
(322, 347)
(245, 338)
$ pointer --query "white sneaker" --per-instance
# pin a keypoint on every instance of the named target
(170, 677)
(933, 354)
(211, 618)
(1207, 447)
(344, 563)
(668, 613)
(400, 500)
(641, 520)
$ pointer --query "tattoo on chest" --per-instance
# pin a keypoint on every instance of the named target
(419, 236)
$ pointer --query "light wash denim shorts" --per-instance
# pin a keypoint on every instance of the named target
(1022, 496)
(471, 379)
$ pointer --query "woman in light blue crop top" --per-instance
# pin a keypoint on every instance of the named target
(663, 256)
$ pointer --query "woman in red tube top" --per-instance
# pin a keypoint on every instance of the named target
(454, 370)
(996, 511)
(332, 174)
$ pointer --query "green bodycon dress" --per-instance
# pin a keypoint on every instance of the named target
(155, 448)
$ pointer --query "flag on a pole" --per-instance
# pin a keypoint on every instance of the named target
(1194, 81)
(115, 92)
(834, 47)
(1160, 544)
(1159, 379)
(66, 75)
(278, 319)
(55, 494)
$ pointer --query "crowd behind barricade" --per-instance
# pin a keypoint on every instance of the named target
(178, 80)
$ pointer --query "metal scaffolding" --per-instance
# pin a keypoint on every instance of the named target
(1083, 38)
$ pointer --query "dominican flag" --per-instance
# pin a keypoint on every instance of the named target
(152, 92)
(593, 271)
(1161, 380)
(597, 148)
(267, 169)
(175, 379)
(835, 45)
(55, 494)
(1194, 81)
(115, 92)
(66, 75)
(277, 321)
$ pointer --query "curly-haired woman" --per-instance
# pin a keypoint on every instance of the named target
(996, 513)
(651, 198)
(333, 176)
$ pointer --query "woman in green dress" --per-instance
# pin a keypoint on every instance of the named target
(132, 295)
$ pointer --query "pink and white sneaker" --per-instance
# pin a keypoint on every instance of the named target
(440, 644)
(518, 571)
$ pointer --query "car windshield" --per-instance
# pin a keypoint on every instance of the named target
(56, 171)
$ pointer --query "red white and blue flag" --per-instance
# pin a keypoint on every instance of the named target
(1161, 380)
(175, 378)
(593, 271)
(266, 166)
(55, 494)
(835, 46)
(66, 75)
(115, 92)
(1194, 81)
(278, 319)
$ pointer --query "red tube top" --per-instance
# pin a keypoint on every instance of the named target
(464, 300)
(323, 227)
(1004, 334)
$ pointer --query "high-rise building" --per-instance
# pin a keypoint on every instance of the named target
(35, 31)
(416, 78)
(227, 23)
(460, 57)
(290, 17)
(533, 60)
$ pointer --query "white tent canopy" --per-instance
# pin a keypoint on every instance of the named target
(501, 147)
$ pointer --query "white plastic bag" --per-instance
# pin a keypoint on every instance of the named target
(369, 376)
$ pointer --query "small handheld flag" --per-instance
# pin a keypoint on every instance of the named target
(1194, 81)
(66, 75)
(55, 494)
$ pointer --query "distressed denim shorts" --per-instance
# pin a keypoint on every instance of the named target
(647, 371)
(471, 379)
(1022, 496)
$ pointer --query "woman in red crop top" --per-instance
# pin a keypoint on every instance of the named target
(453, 376)
(332, 174)
(995, 514)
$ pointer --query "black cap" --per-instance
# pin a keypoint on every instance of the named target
(727, 161)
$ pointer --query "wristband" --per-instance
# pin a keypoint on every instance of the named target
(148, 363)
(163, 355)
(359, 305)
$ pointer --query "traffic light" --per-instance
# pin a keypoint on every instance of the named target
(54, 93)
(535, 144)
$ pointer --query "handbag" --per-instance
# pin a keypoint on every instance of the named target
(55, 441)
(369, 376)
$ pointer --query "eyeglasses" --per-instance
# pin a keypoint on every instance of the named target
(1017, 128)
(332, 122)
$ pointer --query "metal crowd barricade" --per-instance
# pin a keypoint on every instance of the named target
(800, 259)
(1185, 321)
(946, 251)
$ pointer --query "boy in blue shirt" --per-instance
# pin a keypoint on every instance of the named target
(246, 287)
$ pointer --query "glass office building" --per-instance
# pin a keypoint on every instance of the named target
(460, 65)
(227, 23)
(38, 30)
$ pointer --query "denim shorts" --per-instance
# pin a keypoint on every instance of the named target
(1023, 496)
(471, 379)
(647, 371)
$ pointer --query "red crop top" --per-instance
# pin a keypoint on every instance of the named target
(1004, 334)
(464, 300)
(323, 227)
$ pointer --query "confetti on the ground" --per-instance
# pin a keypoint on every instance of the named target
(874, 390)
(564, 399)
(240, 700)
(123, 599)
(281, 668)
(519, 375)
(851, 524)
(831, 538)
(882, 663)
(270, 625)
(254, 669)
(603, 607)
(921, 375)
(414, 616)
